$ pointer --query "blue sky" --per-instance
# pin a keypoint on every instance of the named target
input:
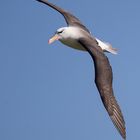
(47, 91)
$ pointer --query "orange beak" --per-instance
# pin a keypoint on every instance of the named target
(54, 38)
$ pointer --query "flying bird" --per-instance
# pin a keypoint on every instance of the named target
(77, 36)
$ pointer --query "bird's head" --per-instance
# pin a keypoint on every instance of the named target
(65, 33)
(60, 34)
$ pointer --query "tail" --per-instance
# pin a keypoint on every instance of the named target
(106, 47)
(111, 49)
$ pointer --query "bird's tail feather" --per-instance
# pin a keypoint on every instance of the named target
(106, 46)
(111, 49)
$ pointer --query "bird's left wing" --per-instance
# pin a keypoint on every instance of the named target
(103, 80)
(70, 19)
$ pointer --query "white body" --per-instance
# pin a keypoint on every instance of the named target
(70, 35)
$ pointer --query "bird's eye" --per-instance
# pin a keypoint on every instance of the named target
(59, 32)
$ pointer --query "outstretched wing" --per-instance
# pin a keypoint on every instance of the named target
(70, 19)
(103, 80)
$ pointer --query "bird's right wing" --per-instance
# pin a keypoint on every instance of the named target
(70, 19)
(103, 80)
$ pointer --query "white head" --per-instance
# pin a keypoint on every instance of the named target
(65, 33)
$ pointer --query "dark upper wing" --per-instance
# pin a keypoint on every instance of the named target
(103, 80)
(70, 19)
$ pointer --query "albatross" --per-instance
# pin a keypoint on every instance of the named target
(77, 36)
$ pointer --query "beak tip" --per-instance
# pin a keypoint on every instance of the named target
(49, 42)
(54, 38)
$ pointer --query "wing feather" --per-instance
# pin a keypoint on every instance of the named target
(103, 80)
(70, 19)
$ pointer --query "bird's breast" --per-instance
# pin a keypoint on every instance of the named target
(73, 43)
